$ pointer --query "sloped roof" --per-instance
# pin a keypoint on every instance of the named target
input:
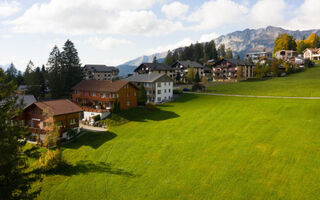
(236, 62)
(27, 100)
(151, 77)
(313, 50)
(154, 66)
(100, 85)
(189, 63)
(100, 68)
(58, 107)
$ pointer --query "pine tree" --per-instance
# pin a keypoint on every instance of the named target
(207, 52)
(178, 77)
(142, 95)
(175, 56)
(222, 51)
(154, 59)
(169, 59)
(229, 53)
(214, 50)
(11, 73)
(14, 180)
(197, 78)
(70, 67)
(198, 52)
(55, 74)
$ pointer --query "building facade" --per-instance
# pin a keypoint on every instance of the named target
(40, 115)
(181, 68)
(159, 87)
(99, 72)
(227, 69)
(285, 55)
(255, 57)
(160, 68)
(311, 53)
(98, 97)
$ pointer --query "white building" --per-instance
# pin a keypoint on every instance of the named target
(311, 53)
(159, 87)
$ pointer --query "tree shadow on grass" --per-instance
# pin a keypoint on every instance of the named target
(85, 167)
(92, 139)
(142, 114)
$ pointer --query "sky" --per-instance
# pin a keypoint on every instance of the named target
(112, 32)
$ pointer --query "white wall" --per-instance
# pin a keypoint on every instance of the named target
(165, 94)
(88, 115)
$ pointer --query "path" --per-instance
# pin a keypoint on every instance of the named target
(251, 96)
(91, 128)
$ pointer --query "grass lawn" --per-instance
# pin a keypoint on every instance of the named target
(200, 147)
(304, 84)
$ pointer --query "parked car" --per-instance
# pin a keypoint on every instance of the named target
(186, 89)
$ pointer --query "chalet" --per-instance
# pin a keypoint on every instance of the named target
(285, 55)
(182, 67)
(39, 115)
(99, 72)
(311, 53)
(159, 87)
(97, 97)
(161, 68)
(228, 68)
(255, 57)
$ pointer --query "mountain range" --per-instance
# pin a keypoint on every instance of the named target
(241, 43)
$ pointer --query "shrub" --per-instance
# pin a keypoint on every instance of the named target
(51, 160)
(175, 91)
(96, 118)
(115, 120)
(72, 132)
(198, 87)
(308, 63)
(151, 106)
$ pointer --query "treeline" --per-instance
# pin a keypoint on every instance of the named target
(199, 52)
(56, 81)
(288, 42)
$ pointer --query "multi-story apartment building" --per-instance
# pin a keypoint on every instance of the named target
(98, 97)
(285, 55)
(228, 68)
(182, 68)
(160, 68)
(255, 57)
(99, 72)
(159, 87)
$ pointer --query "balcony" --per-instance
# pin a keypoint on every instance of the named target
(93, 98)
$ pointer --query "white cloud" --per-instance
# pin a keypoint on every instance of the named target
(307, 16)
(164, 48)
(268, 12)
(8, 8)
(208, 37)
(108, 42)
(214, 13)
(174, 9)
(86, 16)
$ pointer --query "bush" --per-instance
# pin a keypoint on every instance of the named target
(308, 63)
(151, 106)
(175, 91)
(72, 132)
(96, 118)
(198, 87)
(51, 160)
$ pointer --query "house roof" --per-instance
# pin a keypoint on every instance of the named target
(236, 62)
(151, 77)
(100, 85)
(100, 68)
(58, 107)
(26, 99)
(189, 63)
(154, 66)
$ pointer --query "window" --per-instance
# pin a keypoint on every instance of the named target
(34, 111)
(159, 91)
(117, 95)
(165, 83)
(128, 94)
(94, 94)
(103, 95)
(169, 90)
(165, 91)
(135, 94)
(159, 84)
(159, 99)
(73, 121)
(59, 124)
(113, 95)
(128, 103)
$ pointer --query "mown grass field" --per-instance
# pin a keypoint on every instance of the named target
(304, 84)
(201, 147)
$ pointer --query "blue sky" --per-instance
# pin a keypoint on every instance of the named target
(112, 32)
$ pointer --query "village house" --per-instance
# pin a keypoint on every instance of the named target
(182, 68)
(285, 55)
(40, 115)
(226, 69)
(159, 87)
(255, 57)
(99, 72)
(98, 97)
(311, 53)
(161, 68)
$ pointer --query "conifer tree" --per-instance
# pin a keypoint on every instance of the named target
(229, 53)
(154, 59)
(169, 59)
(222, 51)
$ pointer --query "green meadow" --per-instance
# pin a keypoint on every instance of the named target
(303, 84)
(203, 147)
